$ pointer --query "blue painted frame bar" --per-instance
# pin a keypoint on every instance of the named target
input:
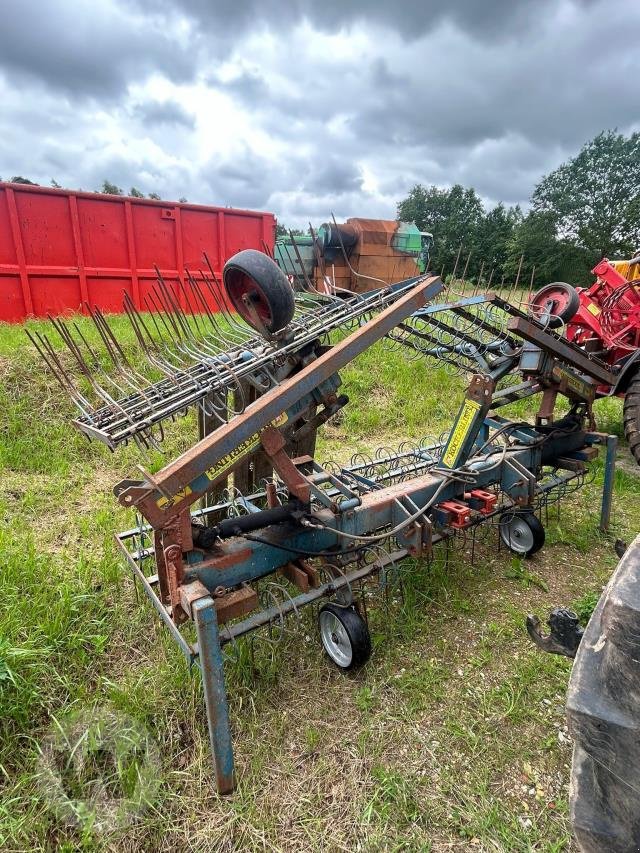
(215, 696)
(610, 443)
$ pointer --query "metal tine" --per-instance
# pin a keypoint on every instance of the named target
(218, 333)
(48, 354)
(211, 349)
(324, 269)
(107, 335)
(149, 347)
(455, 266)
(75, 350)
(165, 350)
(170, 314)
(530, 293)
(154, 301)
(110, 351)
(178, 319)
(319, 259)
(199, 295)
(203, 348)
(148, 343)
(267, 250)
(517, 280)
(192, 315)
(172, 306)
(186, 386)
(478, 284)
(116, 354)
(233, 335)
(466, 267)
(220, 301)
(223, 370)
(135, 318)
(308, 283)
(122, 364)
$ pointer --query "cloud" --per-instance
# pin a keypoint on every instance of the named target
(86, 49)
(305, 108)
(163, 113)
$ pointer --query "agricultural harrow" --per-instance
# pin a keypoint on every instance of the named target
(604, 319)
(246, 528)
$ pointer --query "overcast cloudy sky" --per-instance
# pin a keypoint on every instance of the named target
(304, 108)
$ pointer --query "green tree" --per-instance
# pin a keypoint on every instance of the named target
(18, 179)
(535, 241)
(595, 196)
(135, 193)
(453, 216)
(55, 184)
(183, 199)
(154, 196)
(494, 231)
(110, 189)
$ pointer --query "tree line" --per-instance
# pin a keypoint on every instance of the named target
(586, 209)
(108, 188)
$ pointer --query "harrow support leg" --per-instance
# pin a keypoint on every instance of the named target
(215, 697)
(611, 445)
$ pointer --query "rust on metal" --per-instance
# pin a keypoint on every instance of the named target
(236, 603)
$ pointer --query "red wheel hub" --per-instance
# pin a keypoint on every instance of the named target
(248, 298)
(552, 299)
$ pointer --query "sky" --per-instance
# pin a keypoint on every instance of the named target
(305, 108)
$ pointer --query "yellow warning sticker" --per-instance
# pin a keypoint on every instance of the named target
(230, 459)
(224, 464)
(460, 432)
(163, 502)
(594, 309)
(573, 383)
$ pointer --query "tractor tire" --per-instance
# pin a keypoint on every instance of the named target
(603, 711)
(631, 416)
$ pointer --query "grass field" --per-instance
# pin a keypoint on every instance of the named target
(451, 738)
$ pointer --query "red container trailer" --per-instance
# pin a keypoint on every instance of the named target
(60, 249)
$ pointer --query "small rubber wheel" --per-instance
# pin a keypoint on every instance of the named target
(259, 290)
(521, 532)
(631, 415)
(558, 299)
(345, 636)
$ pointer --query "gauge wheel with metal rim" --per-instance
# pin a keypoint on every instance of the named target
(559, 299)
(259, 291)
(345, 636)
(631, 415)
(521, 532)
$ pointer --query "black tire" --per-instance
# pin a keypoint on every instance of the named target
(521, 532)
(631, 416)
(255, 283)
(345, 636)
(564, 300)
(603, 713)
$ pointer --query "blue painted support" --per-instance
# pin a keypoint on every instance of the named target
(215, 697)
(611, 444)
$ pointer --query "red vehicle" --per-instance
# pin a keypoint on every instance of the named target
(605, 320)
